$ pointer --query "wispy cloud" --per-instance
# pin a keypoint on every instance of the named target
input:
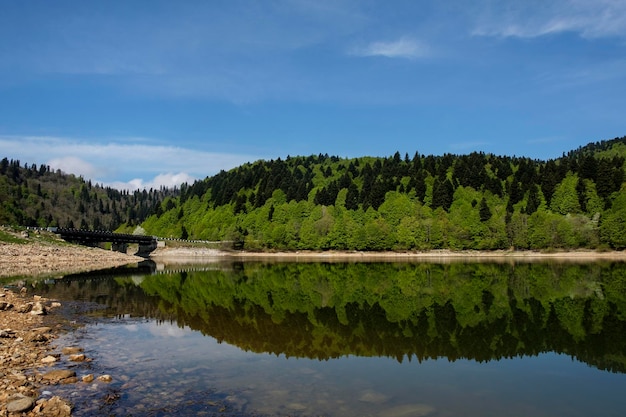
(127, 164)
(530, 19)
(404, 47)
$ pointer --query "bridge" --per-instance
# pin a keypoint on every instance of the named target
(120, 241)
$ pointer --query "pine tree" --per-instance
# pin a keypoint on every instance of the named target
(484, 211)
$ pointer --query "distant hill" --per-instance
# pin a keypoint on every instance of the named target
(32, 195)
(409, 202)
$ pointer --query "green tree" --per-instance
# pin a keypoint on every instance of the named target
(613, 225)
(565, 198)
(484, 211)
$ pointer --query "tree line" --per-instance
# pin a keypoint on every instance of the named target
(419, 202)
(32, 195)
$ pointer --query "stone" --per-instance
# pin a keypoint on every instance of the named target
(373, 397)
(88, 378)
(3, 305)
(48, 359)
(105, 378)
(41, 330)
(59, 375)
(20, 405)
(80, 357)
(38, 309)
(57, 407)
(71, 350)
(25, 308)
(408, 410)
(55, 304)
(7, 333)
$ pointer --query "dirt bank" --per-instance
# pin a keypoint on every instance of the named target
(49, 259)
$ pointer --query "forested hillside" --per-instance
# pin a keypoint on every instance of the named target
(418, 202)
(38, 196)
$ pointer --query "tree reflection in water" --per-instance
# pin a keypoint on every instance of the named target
(407, 311)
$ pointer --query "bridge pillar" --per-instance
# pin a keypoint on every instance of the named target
(146, 248)
(119, 247)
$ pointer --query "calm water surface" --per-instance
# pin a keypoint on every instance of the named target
(353, 340)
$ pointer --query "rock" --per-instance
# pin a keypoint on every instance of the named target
(56, 407)
(59, 375)
(55, 305)
(88, 378)
(373, 397)
(20, 405)
(105, 378)
(7, 333)
(25, 308)
(39, 334)
(5, 306)
(80, 357)
(41, 329)
(48, 359)
(71, 350)
(408, 410)
(38, 309)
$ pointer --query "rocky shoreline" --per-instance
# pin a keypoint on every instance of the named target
(29, 362)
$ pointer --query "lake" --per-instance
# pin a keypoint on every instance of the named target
(350, 339)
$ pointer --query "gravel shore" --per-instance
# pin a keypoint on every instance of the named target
(49, 259)
(28, 364)
(29, 324)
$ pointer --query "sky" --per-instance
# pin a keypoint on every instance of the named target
(135, 94)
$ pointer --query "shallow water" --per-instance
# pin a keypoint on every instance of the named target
(238, 353)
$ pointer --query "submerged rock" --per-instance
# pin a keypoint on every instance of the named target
(105, 378)
(408, 410)
(79, 357)
(373, 397)
(59, 375)
(71, 350)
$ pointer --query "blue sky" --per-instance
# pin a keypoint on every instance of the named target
(150, 93)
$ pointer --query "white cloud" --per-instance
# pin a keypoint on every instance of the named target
(404, 47)
(73, 165)
(530, 19)
(168, 180)
(124, 164)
